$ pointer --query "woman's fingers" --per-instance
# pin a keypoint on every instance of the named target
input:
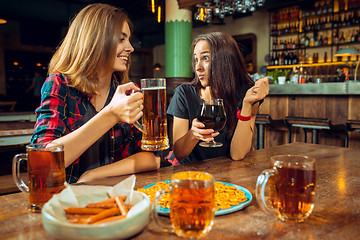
(201, 133)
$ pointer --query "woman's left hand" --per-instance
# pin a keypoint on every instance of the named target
(259, 91)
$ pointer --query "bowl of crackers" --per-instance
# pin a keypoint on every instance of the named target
(90, 212)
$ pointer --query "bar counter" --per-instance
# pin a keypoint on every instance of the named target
(331, 88)
(336, 213)
(336, 101)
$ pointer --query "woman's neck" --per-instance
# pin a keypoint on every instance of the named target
(205, 93)
(103, 88)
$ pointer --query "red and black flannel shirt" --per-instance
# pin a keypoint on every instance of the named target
(61, 112)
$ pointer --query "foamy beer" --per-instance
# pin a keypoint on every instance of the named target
(291, 187)
(46, 172)
(192, 204)
(154, 121)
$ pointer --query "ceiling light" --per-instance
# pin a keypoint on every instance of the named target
(217, 9)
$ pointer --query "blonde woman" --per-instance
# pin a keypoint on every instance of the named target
(84, 107)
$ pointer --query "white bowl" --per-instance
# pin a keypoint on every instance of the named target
(134, 223)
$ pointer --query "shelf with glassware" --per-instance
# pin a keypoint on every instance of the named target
(308, 41)
(292, 48)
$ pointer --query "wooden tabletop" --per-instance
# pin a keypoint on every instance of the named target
(336, 213)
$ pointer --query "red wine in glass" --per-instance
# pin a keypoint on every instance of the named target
(212, 115)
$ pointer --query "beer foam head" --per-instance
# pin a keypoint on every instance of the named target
(153, 88)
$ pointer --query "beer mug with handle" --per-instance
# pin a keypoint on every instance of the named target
(45, 170)
(154, 121)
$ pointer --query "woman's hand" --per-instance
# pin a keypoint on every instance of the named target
(198, 131)
(124, 107)
(259, 91)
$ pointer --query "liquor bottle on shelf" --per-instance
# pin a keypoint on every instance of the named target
(328, 22)
(282, 59)
(286, 59)
(274, 44)
(312, 40)
(348, 37)
(307, 41)
(272, 60)
(342, 38)
(294, 76)
(276, 61)
(336, 37)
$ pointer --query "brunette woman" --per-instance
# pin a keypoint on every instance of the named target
(220, 72)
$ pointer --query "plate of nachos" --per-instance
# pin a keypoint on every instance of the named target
(228, 197)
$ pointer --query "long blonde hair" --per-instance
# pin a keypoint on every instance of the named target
(89, 47)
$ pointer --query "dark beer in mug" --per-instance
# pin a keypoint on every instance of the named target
(292, 191)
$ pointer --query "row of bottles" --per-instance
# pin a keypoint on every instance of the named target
(330, 6)
(286, 14)
(316, 24)
(316, 40)
(324, 7)
(346, 37)
(301, 75)
(284, 58)
(292, 58)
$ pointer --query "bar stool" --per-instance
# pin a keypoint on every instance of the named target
(260, 122)
(353, 125)
(315, 125)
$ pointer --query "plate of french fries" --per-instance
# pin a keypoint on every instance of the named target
(228, 197)
(94, 214)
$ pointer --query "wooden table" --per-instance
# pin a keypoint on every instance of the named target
(337, 203)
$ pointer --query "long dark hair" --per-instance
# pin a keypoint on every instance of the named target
(229, 78)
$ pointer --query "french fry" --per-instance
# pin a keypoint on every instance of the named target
(79, 210)
(101, 205)
(111, 200)
(100, 212)
(74, 216)
(109, 219)
(121, 206)
(104, 214)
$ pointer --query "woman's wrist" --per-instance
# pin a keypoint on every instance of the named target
(243, 117)
(246, 109)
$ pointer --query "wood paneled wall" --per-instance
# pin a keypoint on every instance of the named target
(336, 108)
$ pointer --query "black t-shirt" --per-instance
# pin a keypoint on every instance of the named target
(97, 154)
(185, 104)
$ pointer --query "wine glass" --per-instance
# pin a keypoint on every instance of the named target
(212, 115)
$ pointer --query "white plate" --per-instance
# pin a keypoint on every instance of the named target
(59, 228)
(166, 211)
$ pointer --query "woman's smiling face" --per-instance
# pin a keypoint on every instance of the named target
(124, 49)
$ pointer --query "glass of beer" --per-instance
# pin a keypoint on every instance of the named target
(291, 187)
(192, 204)
(154, 121)
(46, 172)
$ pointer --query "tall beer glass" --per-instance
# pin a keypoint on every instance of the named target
(154, 121)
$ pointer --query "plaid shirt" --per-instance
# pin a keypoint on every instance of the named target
(62, 110)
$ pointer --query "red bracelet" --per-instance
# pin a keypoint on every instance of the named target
(242, 118)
